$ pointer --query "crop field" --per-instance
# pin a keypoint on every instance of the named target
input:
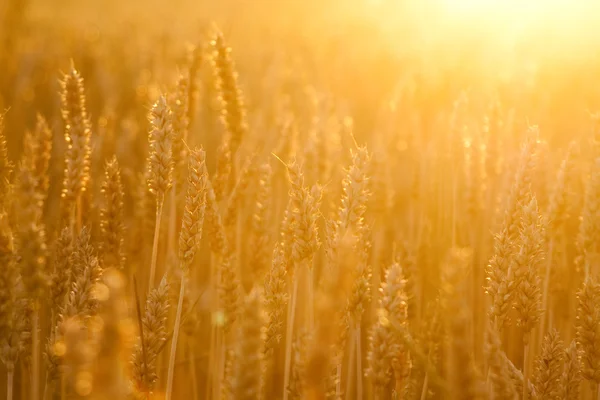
(285, 199)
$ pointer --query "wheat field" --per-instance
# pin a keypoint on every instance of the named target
(259, 199)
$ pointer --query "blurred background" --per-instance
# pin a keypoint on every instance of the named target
(367, 53)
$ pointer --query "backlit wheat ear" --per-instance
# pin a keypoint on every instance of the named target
(384, 347)
(276, 299)
(160, 167)
(8, 275)
(502, 385)
(111, 216)
(525, 266)
(42, 154)
(160, 162)
(571, 375)
(145, 355)
(588, 319)
(261, 236)
(248, 374)
(189, 239)
(233, 112)
(549, 367)
(87, 271)
(180, 124)
(195, 205)
(355, 190)
(78, 136)
(6, 167)
(589, 228)
(61, 278)
(500, 282)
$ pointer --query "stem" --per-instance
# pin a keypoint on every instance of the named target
(359, 374)
(338, 383)
(45, 395)
(525, 370)
(288, 338)
(35, 360)
(63, 386)
(311, 297)
(351, 364)
(174, 340)
(211, 359)
(9, 382)
(79, 212)
(172, 223)
(210, 380)
(425, 383)
(159, 208)
(140, 326)
(217, 364)
(193, 372)
(546, 288)
(222, 379)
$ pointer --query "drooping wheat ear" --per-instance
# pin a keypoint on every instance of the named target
(160, 161)
(6, 167)
(229, 292)
(180, 125)
(195, 205)
(589, 228)
(385, 348)
(111, 216)
(113, 337)
(528, 296)
(232, 105)
(248, 374)
(145, 356)
(62, 275)
(87, 272)
(260, 239)
(276, 300)
(503, 386)
(588, 320)
(78, 135)
(571, 375)
(549, 367)
(8, 276)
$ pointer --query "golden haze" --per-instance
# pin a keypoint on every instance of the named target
(319, 199)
